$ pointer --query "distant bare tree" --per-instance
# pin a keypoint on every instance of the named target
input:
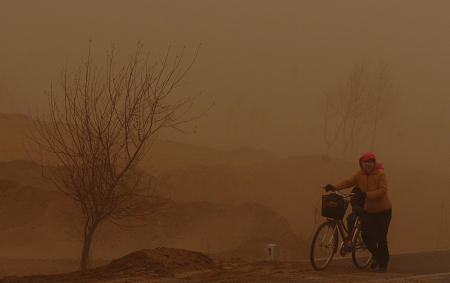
(100, 129)
(354, 109)
(384, 99)
(440, 226)
(316, 213)
(332, 125)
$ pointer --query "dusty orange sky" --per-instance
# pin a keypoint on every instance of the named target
(263, 62)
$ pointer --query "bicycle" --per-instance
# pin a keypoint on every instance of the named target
(325, 241)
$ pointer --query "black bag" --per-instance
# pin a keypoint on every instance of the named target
(334, 206)
(357, 200)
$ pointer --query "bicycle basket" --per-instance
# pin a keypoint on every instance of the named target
(334, 206)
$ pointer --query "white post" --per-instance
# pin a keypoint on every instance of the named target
(272, 252)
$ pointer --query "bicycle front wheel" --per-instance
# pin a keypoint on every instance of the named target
(361, 255)
(324, 245)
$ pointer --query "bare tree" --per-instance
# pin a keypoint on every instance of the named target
(354, 109)
(316, 212)
(440, 226)
(100, 128)
(332, 125)
(384, 99)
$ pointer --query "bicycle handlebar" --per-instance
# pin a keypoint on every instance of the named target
(342, 194)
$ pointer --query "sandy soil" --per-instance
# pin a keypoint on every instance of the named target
(178, 265)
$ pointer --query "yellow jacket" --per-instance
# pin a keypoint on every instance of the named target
(375, 185)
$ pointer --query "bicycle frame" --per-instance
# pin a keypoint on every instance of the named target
(343, 233)
(325, 242)
(347, 236)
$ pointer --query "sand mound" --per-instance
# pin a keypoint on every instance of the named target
(143, 264)
(163, 261)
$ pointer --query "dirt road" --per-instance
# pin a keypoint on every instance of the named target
(414, 267)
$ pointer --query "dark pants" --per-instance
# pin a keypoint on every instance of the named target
(378, 247)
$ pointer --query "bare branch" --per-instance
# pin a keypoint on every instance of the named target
(101, 125)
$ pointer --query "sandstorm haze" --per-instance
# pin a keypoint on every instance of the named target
(264, 63)
(252, 173)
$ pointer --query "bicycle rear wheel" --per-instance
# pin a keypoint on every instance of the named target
(324, 245)
(361, 255)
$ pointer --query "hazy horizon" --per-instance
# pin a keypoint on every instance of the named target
(264, 63)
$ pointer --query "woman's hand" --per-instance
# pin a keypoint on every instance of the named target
(329, 188)
(362, 195)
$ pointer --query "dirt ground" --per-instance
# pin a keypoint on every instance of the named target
(178, 265)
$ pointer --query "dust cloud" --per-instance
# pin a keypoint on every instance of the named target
(264, 64)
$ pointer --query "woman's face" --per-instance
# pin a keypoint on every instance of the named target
(368, 164)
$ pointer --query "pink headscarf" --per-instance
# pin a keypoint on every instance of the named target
(366, 156)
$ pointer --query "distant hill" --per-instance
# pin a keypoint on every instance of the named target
(38, 222)
(224, 203)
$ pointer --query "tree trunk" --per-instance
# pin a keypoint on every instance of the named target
(86, 249)
(373, 136)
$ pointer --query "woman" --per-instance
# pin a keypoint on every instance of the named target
(377, 208)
